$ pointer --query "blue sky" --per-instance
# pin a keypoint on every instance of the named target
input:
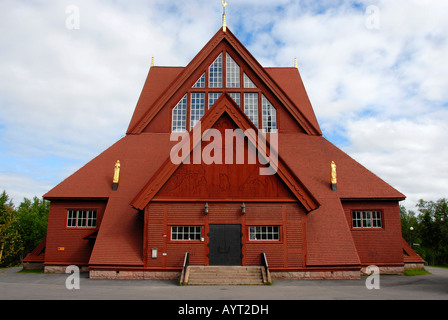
(381, 94)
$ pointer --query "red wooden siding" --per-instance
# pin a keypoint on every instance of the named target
(286, 253)
(224, 181)
(379, 246)
(65, 245)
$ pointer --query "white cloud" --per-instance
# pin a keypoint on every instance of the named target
(384, 90)
(22, 186)
(411, 154)
(69, 94)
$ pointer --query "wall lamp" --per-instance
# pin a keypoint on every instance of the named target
(243, 209)
(206, 208)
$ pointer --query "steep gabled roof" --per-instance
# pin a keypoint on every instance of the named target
(38, 254)
(290, 81)
(157, 82)
(310, 157)
(409, 255)
(225, 104)
(304, 166)
(152, 106)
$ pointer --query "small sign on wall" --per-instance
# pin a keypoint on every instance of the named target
(61, 248)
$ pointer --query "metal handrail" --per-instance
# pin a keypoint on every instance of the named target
(182, 280)
(264, 261)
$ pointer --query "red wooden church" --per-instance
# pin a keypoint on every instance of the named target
(135, 212)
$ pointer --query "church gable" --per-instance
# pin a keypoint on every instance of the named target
(186, 151)
(223, 66)
(221, 180)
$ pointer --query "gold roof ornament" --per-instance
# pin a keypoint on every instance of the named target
(334, 179)
(117, 172)
(224, 19)
(296, 65)
(152, 62)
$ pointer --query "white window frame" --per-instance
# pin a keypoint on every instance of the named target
(225, 75)
(268, 110)
(213, 97)
(367, 219)
(82, 218)
(179, 118)
(201, 82)
(186, 233)
(197, 109)
(264, 233)
(248, 83)
(233, 74)
(215, 73)
(251, 106)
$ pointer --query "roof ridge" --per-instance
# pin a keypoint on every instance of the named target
(310, 127)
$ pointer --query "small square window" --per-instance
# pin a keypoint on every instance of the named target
(366, 219)
(264, 233)
(186, 233)
(81, 218)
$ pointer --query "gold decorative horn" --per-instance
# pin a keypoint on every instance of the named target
(334, 180)
(116, 176)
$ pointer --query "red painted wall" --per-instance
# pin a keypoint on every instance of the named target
(288, 253)
(76, 250)
(377, 246)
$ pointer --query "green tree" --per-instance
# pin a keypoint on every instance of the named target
(10, 242)
(433, 230)
(408, 221)
(31, 222)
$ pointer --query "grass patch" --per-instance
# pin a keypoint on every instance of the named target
(443, 267)
(36, 271)
(416, 272)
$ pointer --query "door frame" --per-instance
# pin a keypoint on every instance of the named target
(240, 242)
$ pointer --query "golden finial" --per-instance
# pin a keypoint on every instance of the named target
(334, 179)
(117, 172)
(152, 62)
(296, 65)
(224, 19)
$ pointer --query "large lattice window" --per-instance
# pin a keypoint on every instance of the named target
(197, 108)
(248, 83)
(215, 73)
(236, 96)
(233, 73)
(225, 75)
(201, 82)
(180, 116)
(212, 97)
(269, 116)
(251, 107)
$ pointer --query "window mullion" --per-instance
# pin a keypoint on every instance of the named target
(187, 124)
(260, 112)
(224, 69)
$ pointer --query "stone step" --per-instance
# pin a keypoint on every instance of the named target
(223, 275)
(225, 272)
(217, 282)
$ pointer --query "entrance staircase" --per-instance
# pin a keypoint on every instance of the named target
(225, 275)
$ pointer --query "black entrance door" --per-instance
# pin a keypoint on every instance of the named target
(225, 245)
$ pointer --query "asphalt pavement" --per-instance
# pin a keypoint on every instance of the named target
(17, 286)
